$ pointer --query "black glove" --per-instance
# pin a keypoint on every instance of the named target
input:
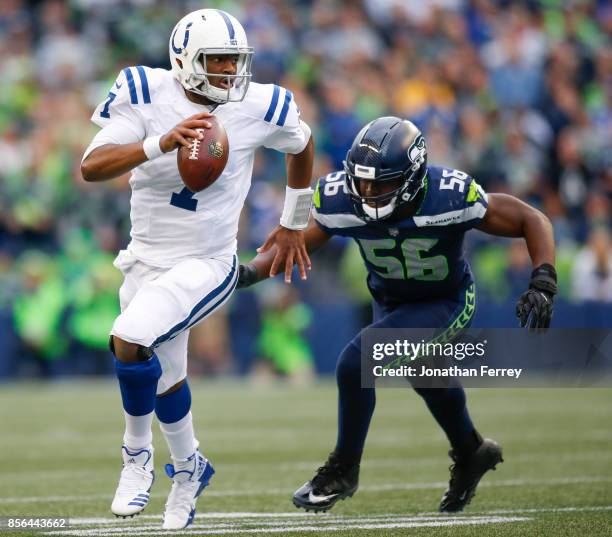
(247, 275)
(535, 306)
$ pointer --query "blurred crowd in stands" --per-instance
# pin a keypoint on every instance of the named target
(518, 94)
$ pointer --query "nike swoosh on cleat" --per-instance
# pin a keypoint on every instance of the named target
(313, 498)
(117, 85)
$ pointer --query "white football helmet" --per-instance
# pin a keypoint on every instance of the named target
(210, 32)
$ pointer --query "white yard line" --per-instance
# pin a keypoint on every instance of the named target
(315, 526)
(220, 523)
(327, 517)
(229, 520)
(230, 515)
(367, 488)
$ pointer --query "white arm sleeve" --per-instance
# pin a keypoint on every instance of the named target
(113, 133)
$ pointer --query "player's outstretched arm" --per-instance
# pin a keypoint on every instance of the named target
(508, 216)
(261, 266)
(288, 238)
(112, 160)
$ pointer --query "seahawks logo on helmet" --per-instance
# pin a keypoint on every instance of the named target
(416, 153)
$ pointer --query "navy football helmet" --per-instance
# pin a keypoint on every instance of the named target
(387, 150)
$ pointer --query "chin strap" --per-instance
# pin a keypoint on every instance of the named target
(378, 213)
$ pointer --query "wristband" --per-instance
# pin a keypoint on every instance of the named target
(544, 278)
(247, 276)
(151, 147)
(296, 210)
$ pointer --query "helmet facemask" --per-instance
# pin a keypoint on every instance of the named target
(374, 208)
(238, 84)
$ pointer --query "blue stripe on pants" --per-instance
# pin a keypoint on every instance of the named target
(224, 288)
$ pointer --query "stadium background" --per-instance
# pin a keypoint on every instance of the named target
(518, 94)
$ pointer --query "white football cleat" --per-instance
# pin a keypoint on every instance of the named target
(189, 480)
(135, 483)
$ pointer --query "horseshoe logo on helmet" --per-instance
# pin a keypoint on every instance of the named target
(185, 40)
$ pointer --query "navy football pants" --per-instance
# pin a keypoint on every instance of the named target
(447, 405)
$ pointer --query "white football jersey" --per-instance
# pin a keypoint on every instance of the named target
(170, 223)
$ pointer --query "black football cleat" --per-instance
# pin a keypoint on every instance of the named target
(466, 473)
(333, 481)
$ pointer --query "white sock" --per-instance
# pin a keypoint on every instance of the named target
(180, 437)
(138, 433)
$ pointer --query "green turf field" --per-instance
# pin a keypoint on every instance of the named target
(60, 457)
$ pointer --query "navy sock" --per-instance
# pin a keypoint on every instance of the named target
(138, 384)
(355, 406)
(174, 406)
(449, 408)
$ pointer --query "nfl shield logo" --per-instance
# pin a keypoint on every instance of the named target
(215, 149)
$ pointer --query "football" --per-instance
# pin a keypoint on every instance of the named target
(202, 164)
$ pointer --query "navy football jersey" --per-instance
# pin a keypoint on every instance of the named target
(418, 258)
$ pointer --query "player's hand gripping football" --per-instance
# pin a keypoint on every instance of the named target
(290, 249)
(535, 306)
(182, 133)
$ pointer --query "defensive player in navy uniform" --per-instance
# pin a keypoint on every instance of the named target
(409, 220)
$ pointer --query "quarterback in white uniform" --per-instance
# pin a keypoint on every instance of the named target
(181, 264)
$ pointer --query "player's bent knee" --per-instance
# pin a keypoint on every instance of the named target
(128, 352)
